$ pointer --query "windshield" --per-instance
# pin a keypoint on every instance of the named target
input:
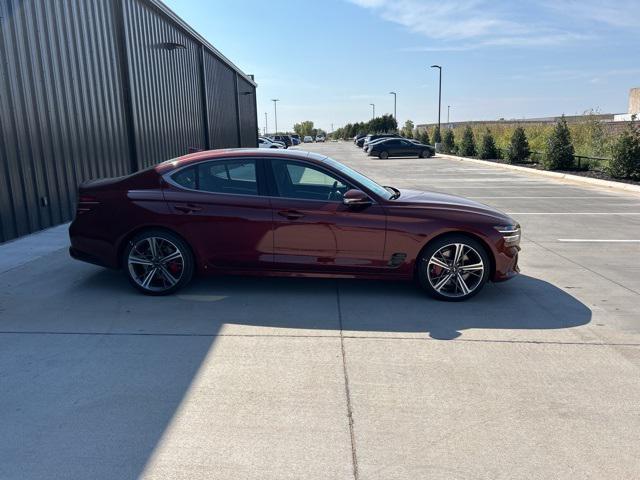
(361, 179)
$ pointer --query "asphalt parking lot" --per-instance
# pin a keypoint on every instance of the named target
(242, 377)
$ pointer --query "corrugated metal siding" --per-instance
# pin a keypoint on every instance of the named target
(165, 86)
(88, 89)
(61, 120)
(248, 114)
(221, 103)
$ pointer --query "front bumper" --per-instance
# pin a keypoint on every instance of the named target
(506, 265)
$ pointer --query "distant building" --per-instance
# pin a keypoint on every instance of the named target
(634, 106)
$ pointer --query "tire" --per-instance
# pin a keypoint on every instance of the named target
(464, 279)
(383, 155)
(423, 154)
(144, 253)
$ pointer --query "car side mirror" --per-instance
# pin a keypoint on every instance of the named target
(356, 198)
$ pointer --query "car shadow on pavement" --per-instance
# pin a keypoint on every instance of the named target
(93, 373)
(382, 306)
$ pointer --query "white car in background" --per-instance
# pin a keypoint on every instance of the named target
(308, 139)
(267, 143)
(320, 138)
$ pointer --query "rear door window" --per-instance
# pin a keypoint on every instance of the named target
(235, 176)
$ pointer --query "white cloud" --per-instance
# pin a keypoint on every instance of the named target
(458, 25)
(618, 13)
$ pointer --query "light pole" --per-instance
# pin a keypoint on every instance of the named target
(439, 92)
(373, 106)
(448, 111)
(275, 112)
(395, 97)
(266, 131)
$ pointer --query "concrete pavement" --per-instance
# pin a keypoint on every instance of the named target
(258, 378)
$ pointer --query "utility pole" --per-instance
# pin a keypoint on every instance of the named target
(439, 92)
(275, 112)
(395, 117)
(266, 131)
(448, 110)
(373, 105)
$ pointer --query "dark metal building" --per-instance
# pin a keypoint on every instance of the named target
(101, 88)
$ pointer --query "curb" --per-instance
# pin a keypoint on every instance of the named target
(627, 187)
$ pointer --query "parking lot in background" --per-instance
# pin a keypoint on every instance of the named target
(240, 377)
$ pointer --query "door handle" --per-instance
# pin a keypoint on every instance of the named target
(291, 214)
(188, 208)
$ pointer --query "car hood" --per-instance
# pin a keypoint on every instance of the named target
(420, 199)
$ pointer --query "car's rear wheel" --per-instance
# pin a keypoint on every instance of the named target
(453, 268)
(158, 262)
(383, 155)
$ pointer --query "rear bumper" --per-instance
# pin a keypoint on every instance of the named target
(91, 248)
(86, 257)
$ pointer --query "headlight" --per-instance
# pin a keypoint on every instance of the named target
(510, 233)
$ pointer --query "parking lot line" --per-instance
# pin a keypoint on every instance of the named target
(515, 187)
(573, 213)
(596, 240)
(599, 197)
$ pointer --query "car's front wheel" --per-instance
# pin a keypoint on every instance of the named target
(453, 268)
(157, 262)
(383, 155)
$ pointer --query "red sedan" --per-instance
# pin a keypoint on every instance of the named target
(275, 212)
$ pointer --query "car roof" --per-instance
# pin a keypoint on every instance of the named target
(193, 158)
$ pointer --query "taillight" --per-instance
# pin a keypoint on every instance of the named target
(86, 203)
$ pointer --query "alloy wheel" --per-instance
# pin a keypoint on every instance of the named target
(155, 264)
(455, 270)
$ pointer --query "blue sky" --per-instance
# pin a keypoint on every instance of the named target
(327, 61)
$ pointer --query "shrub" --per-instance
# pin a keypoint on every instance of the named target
(625, 161)
(468, 143)
(437, 138)
(448, 142)
(559, 152)
(589, 137)
(518, 150)
(488, 149)
(424, 137)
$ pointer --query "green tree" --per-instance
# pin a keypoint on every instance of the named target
(468, 143)
(303, 128)
(449, 141)
(488, 149)
(407, 130)
(437, 138)
(518, 150)
(625, 161)
(559, 152)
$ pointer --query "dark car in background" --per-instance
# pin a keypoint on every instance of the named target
(368, 145)
(399, 147)
(286, 139)
(371, 138)
(293, 213)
